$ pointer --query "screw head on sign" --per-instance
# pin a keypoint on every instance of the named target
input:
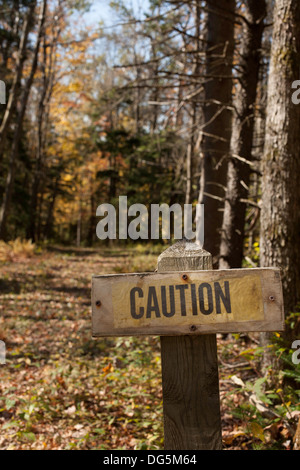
(184, 277)
(193, 328)
(271, 298)
(98, 303)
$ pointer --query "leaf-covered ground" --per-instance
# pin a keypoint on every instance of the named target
(60, 389)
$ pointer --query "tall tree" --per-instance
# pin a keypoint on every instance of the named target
(48, 70)
(239, 165)
(192, 156)
(16, 84)
(216, 129)
(280, 215)
(4, 210)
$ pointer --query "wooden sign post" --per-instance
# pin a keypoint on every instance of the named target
(187, 303)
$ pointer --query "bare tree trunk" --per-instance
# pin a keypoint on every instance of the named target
(43, 127)
(188, 191)
(217, 117)
(79, 224)
(280, 216)
(48, 229)
(37, 173)
(239, 169)
(192, 163)
(18, 132)
(92, 222)
(13, 95)
(155, 82)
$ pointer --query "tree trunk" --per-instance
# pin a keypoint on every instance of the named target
(217, 117)
(79, 224)
(93, 220)
(37, 173)
(48, 67)
(192, 160)
(280, 215)
(239, 171)
(18, 132)
(48, 229)
(10, 108)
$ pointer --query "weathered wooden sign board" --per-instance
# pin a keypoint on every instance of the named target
(184, 303)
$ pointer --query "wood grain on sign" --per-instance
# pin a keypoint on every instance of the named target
(180, 303)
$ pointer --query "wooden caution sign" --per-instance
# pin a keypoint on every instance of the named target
(186, 303)
(181, 303)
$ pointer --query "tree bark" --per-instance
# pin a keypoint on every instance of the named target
(48, 229)
(192, 160)
(4, 210)
(13, 94)
(239, 171)
(40, 139)
(217, 117)
(280, 216)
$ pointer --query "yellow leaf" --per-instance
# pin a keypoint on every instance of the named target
(257, 431)
(232, 436)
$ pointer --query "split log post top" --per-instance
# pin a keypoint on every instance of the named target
(191, 400)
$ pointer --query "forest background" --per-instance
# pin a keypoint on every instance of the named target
(165, 102)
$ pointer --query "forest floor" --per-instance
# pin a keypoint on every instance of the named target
(60, 389)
